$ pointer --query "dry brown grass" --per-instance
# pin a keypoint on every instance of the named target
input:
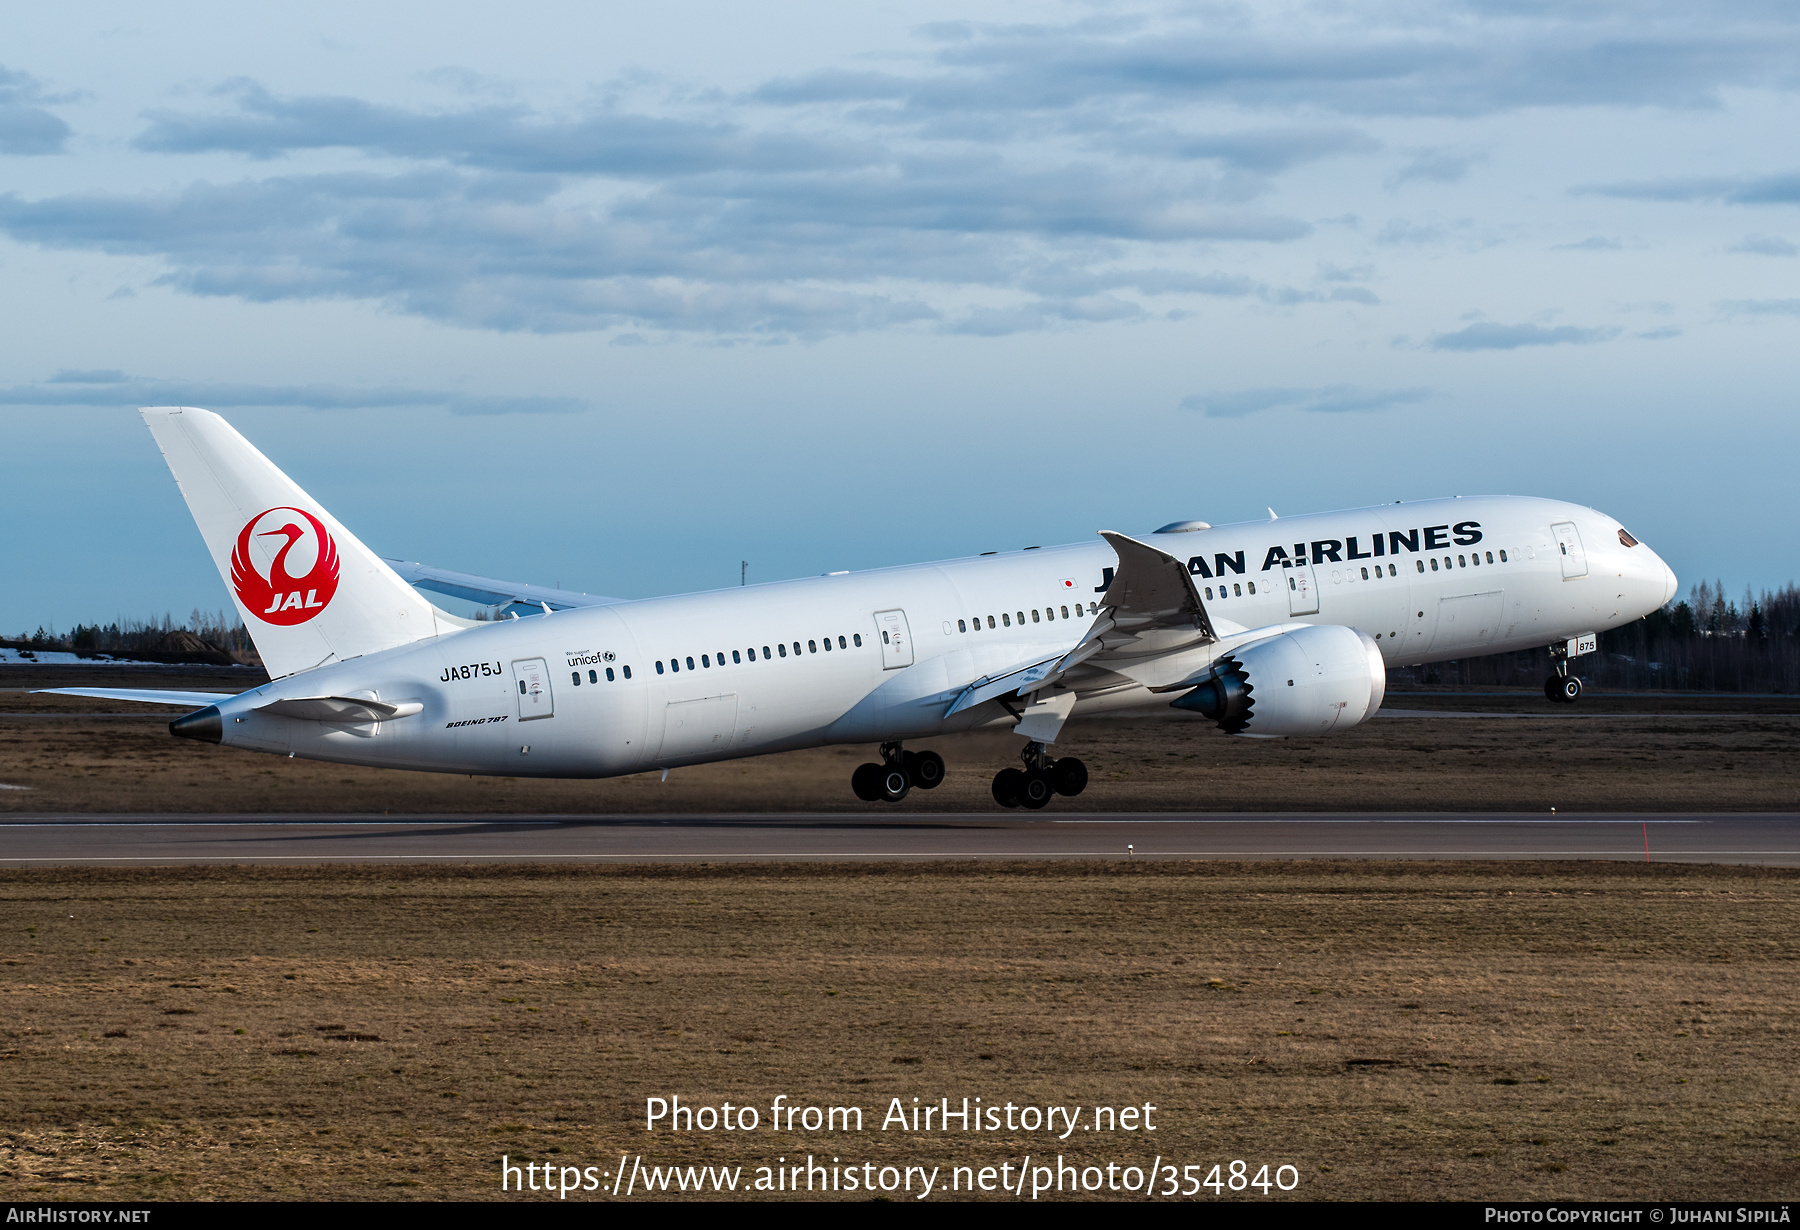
(1394, 1031)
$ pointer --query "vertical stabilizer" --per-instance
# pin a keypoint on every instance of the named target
(307, 590)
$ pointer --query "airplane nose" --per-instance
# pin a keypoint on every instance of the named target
(1670, 584)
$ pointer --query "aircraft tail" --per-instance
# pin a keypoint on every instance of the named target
(307, 590)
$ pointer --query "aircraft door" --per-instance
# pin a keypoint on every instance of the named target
(1303, 590)
(531, 686)
(1574, 559)
(896, 639)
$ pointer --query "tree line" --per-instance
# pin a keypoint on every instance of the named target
(221, 629)
(1706, 642)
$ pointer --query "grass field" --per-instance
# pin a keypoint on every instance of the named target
(1391, 1031)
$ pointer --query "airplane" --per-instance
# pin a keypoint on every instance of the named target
(1270, 628)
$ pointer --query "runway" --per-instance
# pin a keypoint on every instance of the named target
(1771, 839)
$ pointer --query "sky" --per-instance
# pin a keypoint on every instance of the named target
(616, 297)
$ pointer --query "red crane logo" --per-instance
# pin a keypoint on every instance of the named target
(280, 597)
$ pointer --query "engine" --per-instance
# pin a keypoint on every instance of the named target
(1301, 681)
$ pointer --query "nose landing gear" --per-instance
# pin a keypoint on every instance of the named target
(1562, 689)
(897, 774)
(1041, 780)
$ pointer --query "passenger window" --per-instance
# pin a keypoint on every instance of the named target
(1006, 619)
(782, 649)
(705, 661)
(841, 644)
(1503, 556)
(1365, 573)
(736, 658)
(828, 644)
(627, 672)
(1253, 584)
(857, 637)
(1021, 619)
(990, 621)
(609, 675)
(765, 653)
(1474, 559)
(1050, 613)
(593, 678)
(1209, 593)
(659, 669)
(575, 678)
(690, 664)
(1237, 591)
(1490, 556)
(1392, 571)
(962, 625)
(1034, 615)
(811, 647)
(1434, 566)
(1065, 612)
(1460, 562)
(1421, 564)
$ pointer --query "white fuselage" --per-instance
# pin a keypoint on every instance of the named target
(739, 672)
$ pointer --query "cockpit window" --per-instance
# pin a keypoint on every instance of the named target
(1625, 539)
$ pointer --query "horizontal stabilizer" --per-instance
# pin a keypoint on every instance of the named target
(143, 696)
(345, 710)
(489, 590)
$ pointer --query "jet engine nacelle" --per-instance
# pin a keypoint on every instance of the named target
(1301, 681)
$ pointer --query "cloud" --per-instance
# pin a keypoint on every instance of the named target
(499, 138)
(1761, 307)
(1764, 245)
(25, 126)
(1593, 243)
(110, 375)
(1489, 336)
(1333, 399)
(112, 388)
(1435, 166)
(1456, 60)
(989, 165)
(1781, 189)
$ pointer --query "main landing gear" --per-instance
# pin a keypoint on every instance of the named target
(896, 775)
(1040, 780)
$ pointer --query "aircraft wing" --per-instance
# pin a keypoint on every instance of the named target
(1151, 611)
(146, 696)
(490, 591)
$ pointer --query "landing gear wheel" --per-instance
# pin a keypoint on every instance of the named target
(1069, 776)
(1007, 784)
(866, 783)
(926, 768)
(895, 782)
(1036, 790)
(1568, 689)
